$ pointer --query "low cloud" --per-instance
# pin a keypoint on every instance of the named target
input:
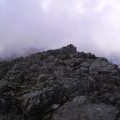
(91, 25)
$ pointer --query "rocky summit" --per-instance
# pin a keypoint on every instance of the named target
(60, 84)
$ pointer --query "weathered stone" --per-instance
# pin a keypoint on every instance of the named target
(60, 84)
(80, 110)
(102, 66)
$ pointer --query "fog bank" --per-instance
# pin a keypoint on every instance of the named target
(91, 25)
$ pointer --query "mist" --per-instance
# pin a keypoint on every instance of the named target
(91, 25)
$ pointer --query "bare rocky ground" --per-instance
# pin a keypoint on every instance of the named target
(60, 84)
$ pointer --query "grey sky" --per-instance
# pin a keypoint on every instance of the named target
(92, 25)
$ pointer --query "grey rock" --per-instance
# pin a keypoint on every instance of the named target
(102, 66)
(60, 84)
(55, 106)
(34, 67)
(85, 64)
(43, 77)
(79, 110)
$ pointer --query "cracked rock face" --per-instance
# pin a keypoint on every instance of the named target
(60, 84)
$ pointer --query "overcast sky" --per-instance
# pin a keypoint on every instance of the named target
(91, 25)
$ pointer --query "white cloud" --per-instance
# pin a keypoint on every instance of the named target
(92, 25)
(45, 4)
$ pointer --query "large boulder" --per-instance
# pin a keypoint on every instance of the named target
(79, 109)
(103, 66)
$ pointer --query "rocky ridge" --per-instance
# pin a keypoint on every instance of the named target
(60, 84)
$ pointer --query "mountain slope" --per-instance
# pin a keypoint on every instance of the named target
(60, 84)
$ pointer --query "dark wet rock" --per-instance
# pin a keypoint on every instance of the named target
(60, 84)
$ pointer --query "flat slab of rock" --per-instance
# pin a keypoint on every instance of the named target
(79, 109)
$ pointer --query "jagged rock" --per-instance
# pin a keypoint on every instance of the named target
(59, 84)
(102, 65)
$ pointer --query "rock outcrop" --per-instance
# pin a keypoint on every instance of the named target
(60, 84)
